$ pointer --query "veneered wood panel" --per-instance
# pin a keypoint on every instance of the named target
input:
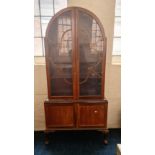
(91, 115)
(58, 115)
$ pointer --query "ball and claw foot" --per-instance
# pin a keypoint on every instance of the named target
(46, 138)
(106, 134)
(105, 141)
(46, 142)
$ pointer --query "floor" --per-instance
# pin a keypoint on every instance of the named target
(77, 143)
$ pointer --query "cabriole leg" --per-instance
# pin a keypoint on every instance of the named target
(106, 134)
(46, 137)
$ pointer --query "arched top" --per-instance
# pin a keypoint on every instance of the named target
(75, 50)
(74, 10)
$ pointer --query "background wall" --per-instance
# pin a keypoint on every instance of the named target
(104, 9)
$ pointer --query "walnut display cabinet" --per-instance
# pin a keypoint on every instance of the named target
(75, 51)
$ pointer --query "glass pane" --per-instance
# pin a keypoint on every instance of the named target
(46, 7)
(60, 4)
(60, 47)
(38, 47)
(117, 46)
(37, 29)
(44, 23)
(117, 30)
(90, 53)
(36, 8)
(118, 8)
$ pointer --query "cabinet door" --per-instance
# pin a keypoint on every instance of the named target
(59, 53)
(92, 115)
(58, 115)
(90, 53)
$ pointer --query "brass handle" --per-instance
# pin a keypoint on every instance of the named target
(95, 111)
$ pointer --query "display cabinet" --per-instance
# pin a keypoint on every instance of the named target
(75, 52)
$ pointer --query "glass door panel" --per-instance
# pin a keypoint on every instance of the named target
(90, 49)
(60, 55)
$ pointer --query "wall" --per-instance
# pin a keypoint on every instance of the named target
(104, 9)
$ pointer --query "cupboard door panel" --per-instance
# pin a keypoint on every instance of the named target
(91, 115)
(59, 115)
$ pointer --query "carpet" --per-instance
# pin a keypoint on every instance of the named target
(77, 143)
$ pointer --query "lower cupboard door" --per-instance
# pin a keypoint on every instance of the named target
(59, 115)
(92, 115)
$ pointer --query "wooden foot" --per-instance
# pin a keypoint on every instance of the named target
(46, 137)
(105, 141)
(46, 142)
(106, 134)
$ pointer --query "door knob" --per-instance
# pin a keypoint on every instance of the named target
(95, 111)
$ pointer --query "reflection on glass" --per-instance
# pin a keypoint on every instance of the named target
(64, 36)
(96, 38)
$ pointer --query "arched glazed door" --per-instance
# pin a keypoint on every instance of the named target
(75, 48)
